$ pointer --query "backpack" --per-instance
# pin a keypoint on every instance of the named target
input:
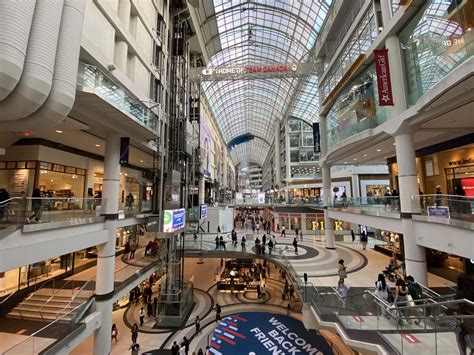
(415, 290)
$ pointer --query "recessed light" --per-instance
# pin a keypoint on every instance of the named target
(59, 131)
(141, 161)
(345, 162)
(394, 143)
(355, 159)
(365, 155)
(379, 150)
(97, 145)
(126, 174)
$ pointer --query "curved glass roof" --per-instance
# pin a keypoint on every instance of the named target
(260, 32)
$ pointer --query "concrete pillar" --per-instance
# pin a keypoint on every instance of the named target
(395, 57)
(327, 197)
(276, 159)
(104, 287)
(202, 188)
(385, 8)
(124, 12)
(121, 55)
(415, 256)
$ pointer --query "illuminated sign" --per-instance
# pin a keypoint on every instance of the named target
(242, 70)
(173, 220)
(319, 225)
(203, 211)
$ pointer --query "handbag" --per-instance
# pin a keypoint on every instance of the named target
(410, 301)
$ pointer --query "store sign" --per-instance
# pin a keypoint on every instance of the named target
(319, 225)
(203, 211)
(438, 211)
(384, 82)
(463, 161)
(316, 138)
(254, 69)
(261, 198)
(173, 220)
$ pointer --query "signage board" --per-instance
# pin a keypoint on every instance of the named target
(203, 209)
(384, 82)
(173, 220)
(205, 139)
(250, 69)
(438, 211)
(261, 198)
(316, 138)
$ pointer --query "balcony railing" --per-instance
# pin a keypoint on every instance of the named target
(103, 86)
(445, 207)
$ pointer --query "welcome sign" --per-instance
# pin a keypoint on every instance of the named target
(265, 333)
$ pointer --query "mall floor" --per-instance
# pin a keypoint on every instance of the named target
(313, 258)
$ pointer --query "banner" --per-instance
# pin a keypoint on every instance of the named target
(124, 149)
(261, 198)
(205, 139)
(316, 138)
(384, 83)
(203, 211)
(265, 333)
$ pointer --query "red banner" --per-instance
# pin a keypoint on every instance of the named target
(384, 83)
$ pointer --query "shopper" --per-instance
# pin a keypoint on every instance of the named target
(257, 225)
(133, 249)
(243, 244)
(283, 231)
(218, 312)
(200, 352)
(363, 239)
(36, 205)
(264, 239)
(401, 293)
(197, 324)
(222, 242)
(353, 236)
(175, 348)
(295, 244)
(4, 197)
(134, 332)
(130, 200)
(186, 345)
(114, 332)
(270, 246)
(297, 232)
(217, 242)
(301, 236)
(134, 348)
(149, 309)
(141, 316)
(342, 270)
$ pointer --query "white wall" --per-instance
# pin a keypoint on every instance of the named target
(96, 23)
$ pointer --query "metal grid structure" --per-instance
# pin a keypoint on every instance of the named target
(260, 33)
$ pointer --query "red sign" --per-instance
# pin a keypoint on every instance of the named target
(468, 186)
(283, 215)
(384, 83)
(410, 338)
(270, 69)
(295, 215)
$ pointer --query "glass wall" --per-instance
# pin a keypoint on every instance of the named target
(356, 108)
(436, 41)
(301, 141)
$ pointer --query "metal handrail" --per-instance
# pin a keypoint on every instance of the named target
(73, 297)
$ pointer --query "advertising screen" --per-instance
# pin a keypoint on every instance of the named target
(173, 220)
(203, 211)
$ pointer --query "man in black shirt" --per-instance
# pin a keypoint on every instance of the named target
(175, 349)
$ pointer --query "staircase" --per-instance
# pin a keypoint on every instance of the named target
(48, 304)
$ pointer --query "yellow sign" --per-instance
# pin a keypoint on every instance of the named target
(319, 225)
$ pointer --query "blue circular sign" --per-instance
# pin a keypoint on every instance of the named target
(265, 333)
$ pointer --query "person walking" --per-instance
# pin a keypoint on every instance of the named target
(353, 236)
(295, 244)
(222, 242)
(283, 231)
(36, 205)
(130, 200)
(363, 239)
(197, 324)
(114, 332)
(243, 244)
(341, 271)
(126, 253)
(133, 249)
(270, 246)
(218, 312)
(134, 332)
(217, 242)
(186, 345)
(141, 316)
(301, 236)
(264, 239)
(175, 348)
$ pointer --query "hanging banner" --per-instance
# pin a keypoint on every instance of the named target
(316, 137)
(384, 83)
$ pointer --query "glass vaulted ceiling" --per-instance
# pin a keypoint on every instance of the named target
(261, 32)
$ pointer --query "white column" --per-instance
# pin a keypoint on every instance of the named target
(277, 162)
(124, 12)
(328, 222)
(202, 187)
(121, 56)
(415, 256)
(386, 12)
(104, 287)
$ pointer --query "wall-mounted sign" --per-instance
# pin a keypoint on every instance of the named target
(384, 82)
(173, 220)
(203, 209)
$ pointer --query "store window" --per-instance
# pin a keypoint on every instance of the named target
(17, 177)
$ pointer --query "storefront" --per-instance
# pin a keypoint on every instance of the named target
(448, 166)
(306, 220)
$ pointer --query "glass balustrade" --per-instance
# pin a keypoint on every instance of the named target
(445, 207)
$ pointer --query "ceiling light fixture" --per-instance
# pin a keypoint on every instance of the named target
(365, 155)
(59, 131)
(97, 145)
(379, 150)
